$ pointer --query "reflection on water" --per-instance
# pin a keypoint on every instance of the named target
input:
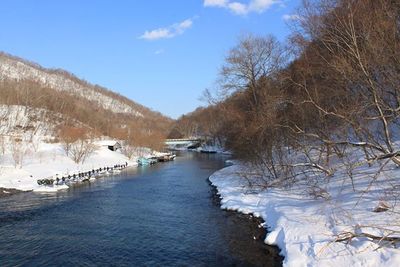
(162, 215)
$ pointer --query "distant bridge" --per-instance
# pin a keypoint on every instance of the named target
(183, 142)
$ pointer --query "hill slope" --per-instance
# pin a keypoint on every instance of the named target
(28, 84)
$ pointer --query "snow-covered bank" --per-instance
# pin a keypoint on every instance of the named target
(305, 227)
(50, 160)
(8, 192)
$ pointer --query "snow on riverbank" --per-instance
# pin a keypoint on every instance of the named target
(49, 160)
(304, 227)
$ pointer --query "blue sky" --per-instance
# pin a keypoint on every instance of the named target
(162, 54)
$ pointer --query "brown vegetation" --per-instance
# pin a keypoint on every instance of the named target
(340, 90)
(78, 112)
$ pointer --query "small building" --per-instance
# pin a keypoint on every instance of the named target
(110, 144)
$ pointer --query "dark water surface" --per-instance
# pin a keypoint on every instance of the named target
(163, 215)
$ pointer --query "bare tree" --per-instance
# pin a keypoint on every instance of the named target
(77, 142)
(2, 144)
(69, 135)
(357, 98)
(253, 58)
(128, 150)
(81, 149)
(17, 151)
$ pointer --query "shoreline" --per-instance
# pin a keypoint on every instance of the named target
(259, 227)
(10, 191)
(305, 228)
(7, 192)
(49, 169)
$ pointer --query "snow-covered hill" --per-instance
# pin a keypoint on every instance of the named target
(21, 121)
(50, 121)
(75, 101)
(19, 69)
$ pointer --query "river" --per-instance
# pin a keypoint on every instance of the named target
(161, 215)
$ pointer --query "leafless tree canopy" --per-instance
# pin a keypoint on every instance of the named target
(340, 91)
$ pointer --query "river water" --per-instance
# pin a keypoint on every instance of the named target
(161, 215)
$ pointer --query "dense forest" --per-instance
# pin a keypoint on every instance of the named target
(331, 90)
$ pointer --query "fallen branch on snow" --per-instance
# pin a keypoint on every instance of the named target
(348, 237)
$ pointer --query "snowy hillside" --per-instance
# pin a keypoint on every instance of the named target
(30, 149)
(17, 69)
(21, 121)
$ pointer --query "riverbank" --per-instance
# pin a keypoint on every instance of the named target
(143, 217)
(6, 192)
(50, 161)
(271, 253)
(305, 227)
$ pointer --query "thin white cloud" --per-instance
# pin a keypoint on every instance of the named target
(291, 17)
(159, 51)
(220, 3)
(238, 8)
(260, 6)
(167, 32)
